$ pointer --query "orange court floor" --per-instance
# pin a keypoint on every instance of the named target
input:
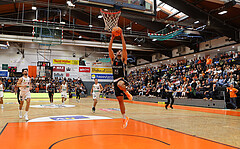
(150, 127)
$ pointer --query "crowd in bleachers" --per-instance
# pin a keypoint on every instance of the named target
(197, 78)
(40, 84)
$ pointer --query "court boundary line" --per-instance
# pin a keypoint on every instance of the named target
(187, 134)
(3, 129)
(183, 107)
(109, 135)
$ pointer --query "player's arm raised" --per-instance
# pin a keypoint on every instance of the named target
(111, 54)
(124, 50)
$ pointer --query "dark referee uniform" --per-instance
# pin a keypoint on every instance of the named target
(51, 89)
(119, 72)
(78, 92)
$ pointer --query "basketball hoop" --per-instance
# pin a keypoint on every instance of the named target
(110, 19)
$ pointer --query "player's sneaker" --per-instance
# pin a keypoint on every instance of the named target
(129, 96)
(20, 114)
(125, 122)
(93, 109)
(26, 117)
(2, 107)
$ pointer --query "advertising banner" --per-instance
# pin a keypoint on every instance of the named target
(58, 74)
(59, 68)
(72, 68)
(3, 73)
(66, 62)
(85, 69)
(102, 70)
(102, 76)
(85, 76)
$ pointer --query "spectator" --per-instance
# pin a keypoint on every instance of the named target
(233, 96)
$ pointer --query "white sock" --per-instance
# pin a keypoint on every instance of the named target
(2, 105)
(124, 116)
(26, 113)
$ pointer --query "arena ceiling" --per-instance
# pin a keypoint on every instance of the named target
(14, 15)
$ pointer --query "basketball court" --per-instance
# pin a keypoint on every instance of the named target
(150, 126)
(71, 41)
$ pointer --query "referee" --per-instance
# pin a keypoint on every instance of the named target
(51, 89)
(169, 91)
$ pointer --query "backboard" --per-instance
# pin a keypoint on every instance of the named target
(132, 5)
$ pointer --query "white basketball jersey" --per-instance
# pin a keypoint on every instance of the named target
(96, 87)
(64, 88)
(25, 81)
(1, 88)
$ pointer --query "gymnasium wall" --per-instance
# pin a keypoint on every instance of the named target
(34, 53)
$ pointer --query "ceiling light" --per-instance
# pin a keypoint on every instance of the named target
(233, 46)
(194, 55)
(128, 28)
(80, 37)
(34, 8)
(100, 16)
(184, 56)
(154, 40)
(223, 12)
(70, 4)
(196, 22)
(90, 25)
(139, 45)
(218, 50)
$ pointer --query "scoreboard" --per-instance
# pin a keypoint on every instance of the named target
(12, 69)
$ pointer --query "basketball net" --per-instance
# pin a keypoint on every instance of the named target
(110, 19)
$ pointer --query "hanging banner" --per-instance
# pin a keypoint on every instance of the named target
(102, 70)
(66, 62)
(59, 68)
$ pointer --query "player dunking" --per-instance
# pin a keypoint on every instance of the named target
(24, 84)
(1, 93)
(119, 63)
(63, 90)
(96, 89)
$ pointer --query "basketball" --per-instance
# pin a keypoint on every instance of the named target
(116, 31)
